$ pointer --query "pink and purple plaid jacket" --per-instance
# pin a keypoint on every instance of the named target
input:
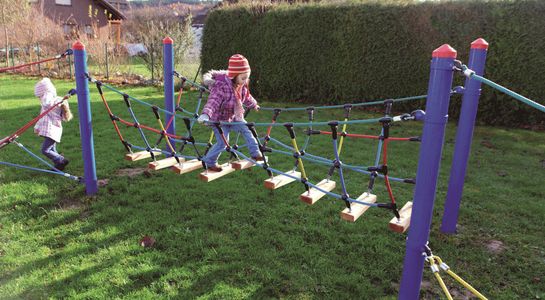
(49, 125)
(220, 106)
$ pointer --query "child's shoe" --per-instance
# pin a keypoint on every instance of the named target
(60, 166)
(258, 158)
(214, 168)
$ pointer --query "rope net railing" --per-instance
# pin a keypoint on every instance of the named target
(337, 131)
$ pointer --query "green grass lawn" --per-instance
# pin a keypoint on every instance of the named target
(233, 239)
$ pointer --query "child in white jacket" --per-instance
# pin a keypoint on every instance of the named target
(50, 126)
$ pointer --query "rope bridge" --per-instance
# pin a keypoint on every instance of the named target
(183, 163)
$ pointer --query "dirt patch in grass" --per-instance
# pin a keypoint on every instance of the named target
(103, 182)
(69, 204)
(495, 246)
(132, 172)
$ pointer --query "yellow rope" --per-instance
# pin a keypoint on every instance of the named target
(342, 138)
(299, 160)
(435, 270)
(211, 137)
(446, 268)
(443, 286)
(166, 136)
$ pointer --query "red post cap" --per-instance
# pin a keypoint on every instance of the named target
(168, 40)
(479, 43)
(78, 46)
(445, 51)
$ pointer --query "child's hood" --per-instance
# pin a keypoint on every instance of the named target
(212, 77)
(45, 87)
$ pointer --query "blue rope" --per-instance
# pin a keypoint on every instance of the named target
(34, 155)
(327, 162)
(197, 109)
(341, 176)
(53, 171)
(40, 170)
(307, 139)
(379, 148)
(163, 152)
(140, 130)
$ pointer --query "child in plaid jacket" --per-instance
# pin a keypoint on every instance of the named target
(229, 94)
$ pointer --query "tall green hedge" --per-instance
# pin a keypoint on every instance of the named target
(353, 52)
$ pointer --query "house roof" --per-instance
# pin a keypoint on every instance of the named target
(115, 12)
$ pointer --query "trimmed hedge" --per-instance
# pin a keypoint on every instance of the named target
(353, 52)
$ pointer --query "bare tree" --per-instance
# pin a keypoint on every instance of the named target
(151, 24)
(11, 11)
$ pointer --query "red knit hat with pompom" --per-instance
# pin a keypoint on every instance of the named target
(238, 64)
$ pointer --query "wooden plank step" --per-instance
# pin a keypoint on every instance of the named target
(140, 155)
(314, 195)
(208, 176)
(281, 180)
(188, 166)
(242, 164)
(164, 163)
(403, 224)
(351, 215)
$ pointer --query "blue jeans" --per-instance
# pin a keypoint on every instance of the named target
(211, 158)
(49, 149)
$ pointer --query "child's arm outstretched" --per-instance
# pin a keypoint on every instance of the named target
(250, 102)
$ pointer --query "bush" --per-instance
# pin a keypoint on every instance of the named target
(353, 52)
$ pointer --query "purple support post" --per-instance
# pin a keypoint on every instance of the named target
(464, 136)
(168, 79)
(433, 136)
(85, 123)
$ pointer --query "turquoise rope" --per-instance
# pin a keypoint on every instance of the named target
(508, 92)
(193, 83)
(143, 102)
(366, 121)
(342, 105)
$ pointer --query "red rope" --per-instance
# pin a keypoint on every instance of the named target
(269, 131)
(25, 127)
(131, 124)
(385, 163)
(2, 70)
(113, 121)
